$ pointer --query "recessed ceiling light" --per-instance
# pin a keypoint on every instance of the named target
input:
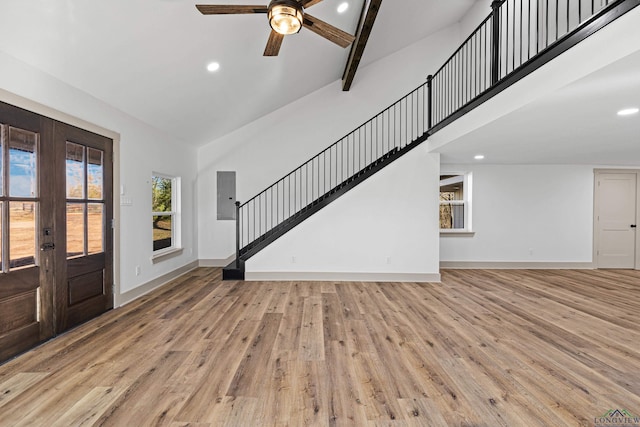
(478, 157)
(212, 67)
(342, 8)
(628, 111)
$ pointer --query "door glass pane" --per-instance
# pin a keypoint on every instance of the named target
(75, 229)
(162, 231)
(95, 216)
(75, 171)
(22, 163)
(94, 173)
(22, 234)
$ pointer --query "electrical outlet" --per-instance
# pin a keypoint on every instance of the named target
(388, 260)
(138, 270)
(293, 260)
(530, 251)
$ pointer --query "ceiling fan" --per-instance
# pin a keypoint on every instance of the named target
(285, 17)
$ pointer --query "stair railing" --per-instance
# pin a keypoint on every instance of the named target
(389, 131)
(516, 33)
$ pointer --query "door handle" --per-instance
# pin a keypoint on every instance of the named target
(47, 247)
(632, 226)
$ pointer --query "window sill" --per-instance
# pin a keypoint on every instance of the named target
(162, 256)
(457, 233)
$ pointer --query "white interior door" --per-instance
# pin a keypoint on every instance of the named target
(616, 220)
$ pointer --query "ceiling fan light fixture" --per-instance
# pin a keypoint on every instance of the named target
(285, 16)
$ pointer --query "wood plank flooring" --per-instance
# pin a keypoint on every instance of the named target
(482, 348)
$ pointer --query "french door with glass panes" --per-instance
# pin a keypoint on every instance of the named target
(55, 235)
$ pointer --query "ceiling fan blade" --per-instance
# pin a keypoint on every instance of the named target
(230, 9)
(328, 31)
(309, 3)
(273, 44)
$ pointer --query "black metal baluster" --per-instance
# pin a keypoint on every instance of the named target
(579, 11)
(348, 162)
(445, 93)
(288, 196)
(557, 18)
(469, 74)
(513, 37)
(486, 56)
(476, 64)
(465, 67)
(495, 42)
(567, 15)
(362, 144)
(458, 83)
(463, 71)
(520, 34)
(414, 116)
(406, 124)
(529, 29)
(334, 163)
(449, 88)
(454, 86)
(546, 23)
(237, 234)
(429, 100)
(376, 137)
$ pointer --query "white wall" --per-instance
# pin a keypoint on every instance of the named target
(384, 229)
(262, 152)
(470, 21)
(526, 213)
(142, 150)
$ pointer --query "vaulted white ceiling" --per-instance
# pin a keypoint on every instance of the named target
(148, 58)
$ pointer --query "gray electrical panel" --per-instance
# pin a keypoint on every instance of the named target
(226, 195)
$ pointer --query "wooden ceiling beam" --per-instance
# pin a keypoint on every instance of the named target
(368, 16)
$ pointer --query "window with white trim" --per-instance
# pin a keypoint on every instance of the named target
(165, 202)
(455, 202)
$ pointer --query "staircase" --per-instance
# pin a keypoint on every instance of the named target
(517, 37)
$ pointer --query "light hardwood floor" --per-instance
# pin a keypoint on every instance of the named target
(483, 348)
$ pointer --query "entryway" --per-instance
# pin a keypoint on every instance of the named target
(56, 245)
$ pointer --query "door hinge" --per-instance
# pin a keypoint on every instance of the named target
(113, 223)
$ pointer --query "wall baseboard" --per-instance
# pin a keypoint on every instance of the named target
(129, 296)
(271, 276)
(507, 265)
(216, 262)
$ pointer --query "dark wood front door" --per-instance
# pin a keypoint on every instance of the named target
(55, 228)
(84, 244)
